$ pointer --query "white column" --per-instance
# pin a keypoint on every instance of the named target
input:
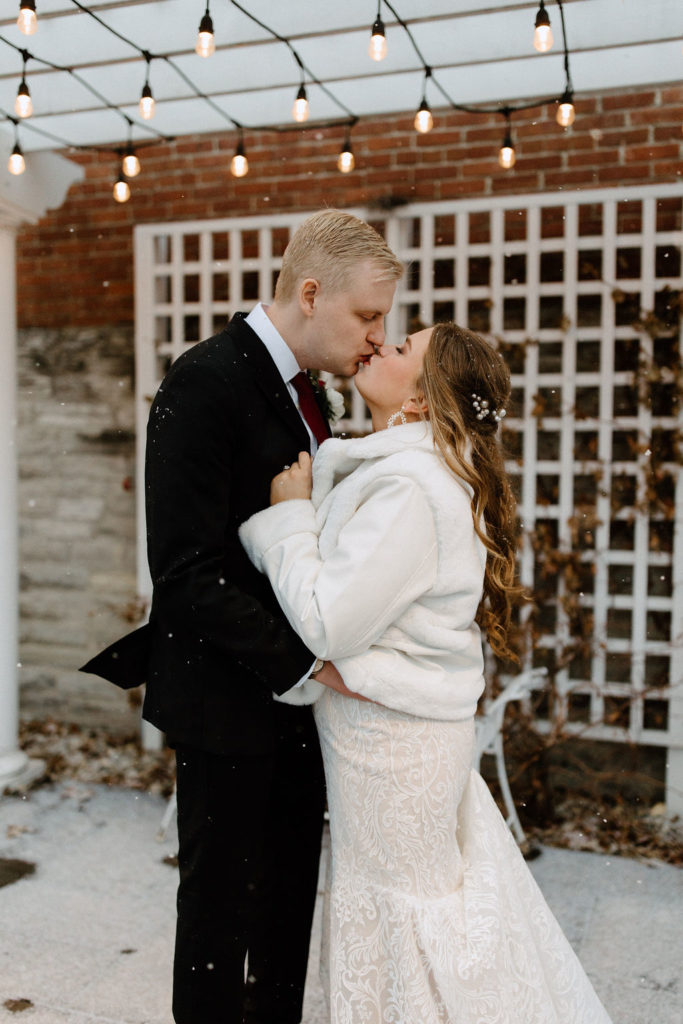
(15, 766)
(23, 200)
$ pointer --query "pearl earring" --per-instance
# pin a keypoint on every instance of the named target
(391, 422)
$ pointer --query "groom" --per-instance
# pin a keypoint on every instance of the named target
(231, 412)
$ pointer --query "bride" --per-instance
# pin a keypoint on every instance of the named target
(385, 558)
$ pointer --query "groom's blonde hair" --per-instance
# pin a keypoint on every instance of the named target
(329, 246)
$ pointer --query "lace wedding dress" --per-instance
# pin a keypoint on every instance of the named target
(432, 916)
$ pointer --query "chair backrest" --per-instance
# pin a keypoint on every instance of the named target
(489, 723)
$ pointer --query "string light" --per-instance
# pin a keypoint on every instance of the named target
(346, 161)
(300, 108)
(543, 34)
(146, 99)
(239, 165)
(121, 190)
(27, 22)
(23, 104)
(378, 40)
(566, 111)
(130, 165)
(16, 163)
(146, 103)
(507, 156)
(424, 122)
(206, 44)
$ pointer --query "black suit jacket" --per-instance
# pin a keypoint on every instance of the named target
(216, 645)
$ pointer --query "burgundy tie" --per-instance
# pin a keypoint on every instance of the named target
(309, 407)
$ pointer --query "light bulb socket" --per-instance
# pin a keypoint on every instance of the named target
(542, 18)
(378, 28)
(206, 24)
(301, 95)
(146, 93)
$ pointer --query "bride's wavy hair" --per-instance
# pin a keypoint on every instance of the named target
(466, 385)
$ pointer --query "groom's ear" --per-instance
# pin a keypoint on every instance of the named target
(309, 290)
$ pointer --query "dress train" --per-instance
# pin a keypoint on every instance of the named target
(432, 915)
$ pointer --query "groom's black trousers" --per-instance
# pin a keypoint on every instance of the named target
(249, 829)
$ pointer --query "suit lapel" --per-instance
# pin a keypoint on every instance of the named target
(266, 376)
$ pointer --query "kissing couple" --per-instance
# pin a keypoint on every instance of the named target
(315, 592)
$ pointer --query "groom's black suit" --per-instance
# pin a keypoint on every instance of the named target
(250, 785)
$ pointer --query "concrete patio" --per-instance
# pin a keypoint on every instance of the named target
(88, 936)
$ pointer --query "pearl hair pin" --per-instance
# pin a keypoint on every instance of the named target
(481, 408)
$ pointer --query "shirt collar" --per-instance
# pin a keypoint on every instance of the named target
(278, 349)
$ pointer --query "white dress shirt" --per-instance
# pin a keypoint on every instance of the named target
(282, 356)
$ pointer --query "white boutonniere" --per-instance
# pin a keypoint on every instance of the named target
(330, 400)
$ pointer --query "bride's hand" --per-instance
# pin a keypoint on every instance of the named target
(293, 482)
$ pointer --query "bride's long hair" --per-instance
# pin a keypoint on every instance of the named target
(466, 384)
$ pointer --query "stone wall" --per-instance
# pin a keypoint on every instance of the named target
(77, 518)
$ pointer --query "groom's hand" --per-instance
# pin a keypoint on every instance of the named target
(329, 676)
(294, 481)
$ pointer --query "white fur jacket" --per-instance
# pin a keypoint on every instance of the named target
(381, 572)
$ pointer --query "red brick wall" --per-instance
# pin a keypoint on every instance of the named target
(75, 267)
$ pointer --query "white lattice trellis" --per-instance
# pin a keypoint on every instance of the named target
(560, 281)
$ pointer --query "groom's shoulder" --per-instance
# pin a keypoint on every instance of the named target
(222, 352)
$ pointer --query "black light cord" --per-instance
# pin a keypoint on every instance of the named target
(503, 109)
(297, 58)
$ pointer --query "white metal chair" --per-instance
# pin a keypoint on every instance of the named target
(489, 736)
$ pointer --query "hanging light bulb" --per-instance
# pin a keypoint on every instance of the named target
(378, 40)
(130, 164)
(27, 21)
(424, 122)
(23, 105)
(346, 161)
(239, 165)
(121, 190)
(206, 44)
(543, 34)
(300, 108)
(146, 102)
(16, 163)
(566, 111)
(506, 156)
